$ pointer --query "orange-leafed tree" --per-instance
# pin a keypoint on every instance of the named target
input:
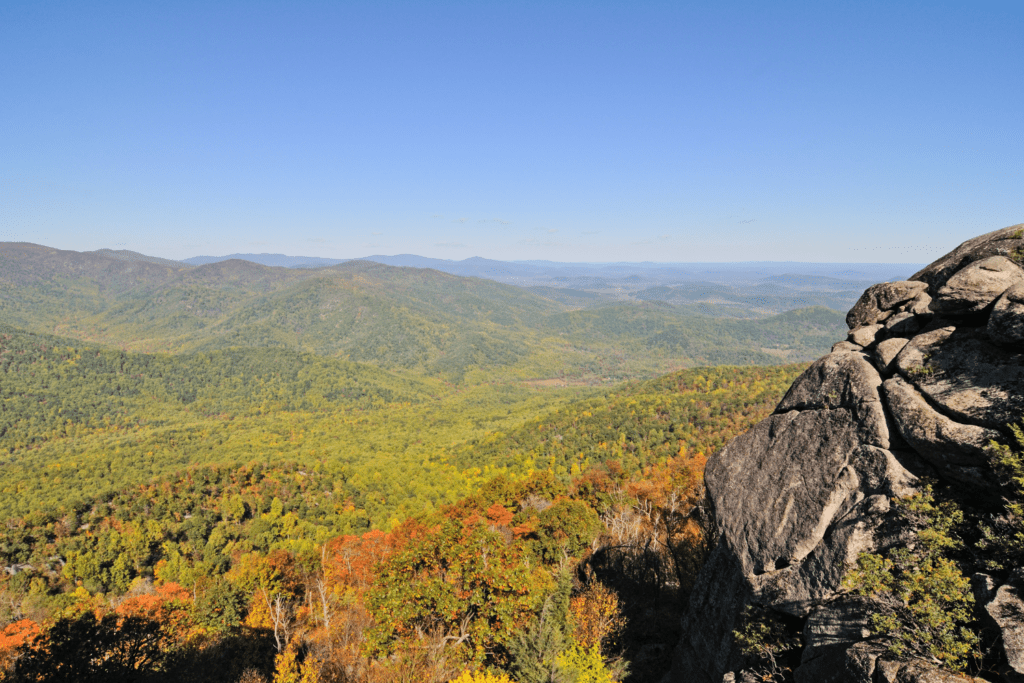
(595, 617)
(349, 562)
(13, 638)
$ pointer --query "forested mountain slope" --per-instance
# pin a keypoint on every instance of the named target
(102, 419)
(297, 552)
(457, 328)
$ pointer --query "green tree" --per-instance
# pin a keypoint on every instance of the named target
(536, 649)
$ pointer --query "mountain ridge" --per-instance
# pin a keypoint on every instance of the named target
(406, 318)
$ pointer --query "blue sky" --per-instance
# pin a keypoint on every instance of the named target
(591, 131)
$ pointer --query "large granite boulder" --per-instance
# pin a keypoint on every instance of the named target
(1006, 323)
(1005, 242)
(880, 301)
(977, 286)
(964, 375)
(932, 372)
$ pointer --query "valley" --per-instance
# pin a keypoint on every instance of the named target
(247, 448)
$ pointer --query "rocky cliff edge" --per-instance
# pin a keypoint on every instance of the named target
(931, 373)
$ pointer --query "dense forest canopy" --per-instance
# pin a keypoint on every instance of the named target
(358, 473)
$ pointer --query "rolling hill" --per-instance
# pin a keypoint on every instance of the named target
(399, 318)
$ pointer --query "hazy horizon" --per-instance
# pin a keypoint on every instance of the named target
(239, 254)
(571, 132)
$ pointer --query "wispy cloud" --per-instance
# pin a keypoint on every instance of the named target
(258, 244)
(437, 215)
(376, 233)
(749, 220)
(318, 240)
(449, 244)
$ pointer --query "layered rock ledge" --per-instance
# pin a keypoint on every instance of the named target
(931, 372)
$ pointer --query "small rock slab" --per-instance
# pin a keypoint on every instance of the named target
(1006, 322)
(965, 376)
(865, 335)
(919, 305)
(886, 352)
(843, 621)
(878, 301)
(846, 347)
(902, 325)
(975, 287)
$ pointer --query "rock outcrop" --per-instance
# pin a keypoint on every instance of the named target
(931, 372)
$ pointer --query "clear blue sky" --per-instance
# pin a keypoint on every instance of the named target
(591, 131)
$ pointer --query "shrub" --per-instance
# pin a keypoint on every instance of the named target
(764, 637)
(924, 600)
(481, 677)
(584, 664)
(1003, 539)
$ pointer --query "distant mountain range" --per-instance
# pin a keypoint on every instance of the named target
(745, 289)
(417, 319)
(510, 270)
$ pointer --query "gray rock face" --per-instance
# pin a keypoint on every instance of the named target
(866, 662)
(865, 335)
(877, 302)
(841, 663)
(957, 451)
(886, 352)
(932, 371)
(1007, 610)
(1006, 323)
(706, 651)
(966, 376)
(776, 508)
(977, 286)
(997, 243)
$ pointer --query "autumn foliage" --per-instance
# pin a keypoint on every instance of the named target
(276, 574)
